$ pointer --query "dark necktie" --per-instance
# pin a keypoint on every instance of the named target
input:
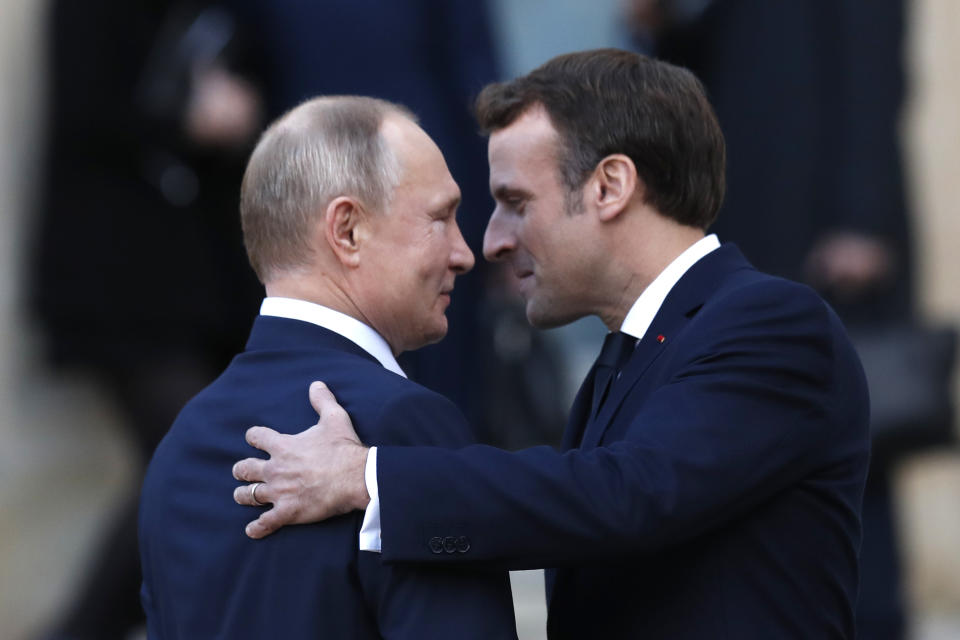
(617, 347)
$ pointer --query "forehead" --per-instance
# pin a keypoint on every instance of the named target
(423, 169)
(526, 149)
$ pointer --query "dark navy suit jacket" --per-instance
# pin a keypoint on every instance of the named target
(716, 494)
(203, 578)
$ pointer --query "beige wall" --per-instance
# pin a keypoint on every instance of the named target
(933, 151)
(930, 484)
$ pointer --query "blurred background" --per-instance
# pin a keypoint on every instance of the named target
(124, 128)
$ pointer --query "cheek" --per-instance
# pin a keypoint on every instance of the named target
(541, 239)
(434, 260)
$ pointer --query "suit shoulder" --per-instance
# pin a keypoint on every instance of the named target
(385, 389)
(768, 324)
(271, 387)
(387, 408)
(409, 414)
(777, 325)
(747, 284)
(751, 298)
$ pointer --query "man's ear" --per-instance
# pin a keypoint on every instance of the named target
(342, 229)
(613, 185)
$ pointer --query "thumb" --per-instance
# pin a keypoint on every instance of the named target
(321, 399)
(332, 419)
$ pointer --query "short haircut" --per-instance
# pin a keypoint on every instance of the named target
(325, 148)
(608, 101)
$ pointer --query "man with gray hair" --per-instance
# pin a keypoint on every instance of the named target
(349, 219)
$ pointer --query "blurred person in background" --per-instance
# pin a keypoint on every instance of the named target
(808, 95)
(140, 277)
(433, 56)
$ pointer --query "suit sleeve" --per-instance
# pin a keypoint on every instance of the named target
(418, 601)
(769, 393)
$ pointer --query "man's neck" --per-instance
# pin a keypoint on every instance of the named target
(642, 257)
(316, 289)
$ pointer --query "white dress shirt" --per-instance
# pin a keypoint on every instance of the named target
(645, 309)
(350, 328)
(635, 324)
(370, 341)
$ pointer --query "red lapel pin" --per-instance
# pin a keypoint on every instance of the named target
(661, 338)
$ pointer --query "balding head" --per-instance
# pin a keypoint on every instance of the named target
(323, 149)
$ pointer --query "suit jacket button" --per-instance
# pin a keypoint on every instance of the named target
(436, 544)
(449, 544)
(463, 544)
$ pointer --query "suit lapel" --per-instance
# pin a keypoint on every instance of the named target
(646, 352)
(681, 304)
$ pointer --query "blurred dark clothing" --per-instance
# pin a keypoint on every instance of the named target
(880, 611)
(808, 93)
(139, 276)
(525, 407)
(139, 245)
(432, 56)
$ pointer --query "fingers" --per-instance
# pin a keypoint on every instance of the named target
(263, 438)
(268, 522)
(321, 398)
(241, 495)
(246, 495)
(250, 470)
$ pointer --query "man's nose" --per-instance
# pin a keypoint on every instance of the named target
(498, 240)
(461, 258)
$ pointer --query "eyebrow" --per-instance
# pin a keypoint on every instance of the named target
(504, 192)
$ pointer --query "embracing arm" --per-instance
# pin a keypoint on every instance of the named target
(771, 395)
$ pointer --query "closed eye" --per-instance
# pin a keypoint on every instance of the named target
(446, 212)
(513, 199)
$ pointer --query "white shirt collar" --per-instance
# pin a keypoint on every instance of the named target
(350, 328)
(645, 309)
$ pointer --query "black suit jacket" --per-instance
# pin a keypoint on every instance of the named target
(203, 578)
(716, 495)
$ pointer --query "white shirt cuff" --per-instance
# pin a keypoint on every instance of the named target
(370, 530)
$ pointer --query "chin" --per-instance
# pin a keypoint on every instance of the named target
(436, 335)
(542, 316)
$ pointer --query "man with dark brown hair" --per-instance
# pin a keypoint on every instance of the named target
(715, 456)
(642, 100)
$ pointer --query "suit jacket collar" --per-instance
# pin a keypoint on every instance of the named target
(272, 333)
(681, 304)
(349, 327)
